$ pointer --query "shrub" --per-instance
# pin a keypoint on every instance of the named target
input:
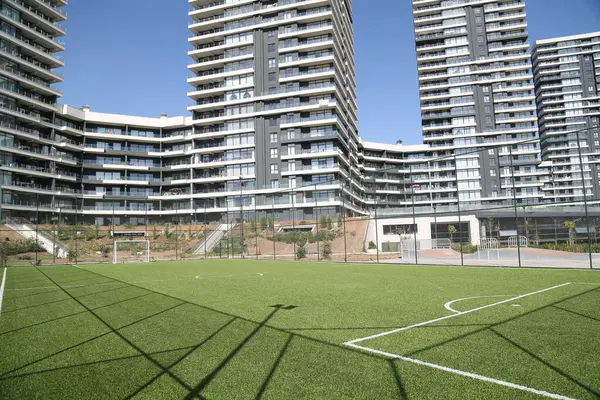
(264, 223)
(326, 250)
(300, 252)
(323, 221)
(467, 248)
(72, 255)
(329, 223)
(372, 245)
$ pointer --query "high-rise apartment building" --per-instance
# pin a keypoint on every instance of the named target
(274, 88)
(274, 128)
(476, 91)
(567, 84)
(30, 156)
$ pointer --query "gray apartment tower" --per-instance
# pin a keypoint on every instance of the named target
(274, 88)
(567, 85)
(476, 90)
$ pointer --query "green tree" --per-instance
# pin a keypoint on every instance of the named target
(451, 231)
(264, 223)
(570, 225)
(326, 251)
(329, 223)
(323, 221)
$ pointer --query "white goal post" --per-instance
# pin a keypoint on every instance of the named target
(125, 251)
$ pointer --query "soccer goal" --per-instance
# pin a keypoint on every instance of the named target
(127, 251)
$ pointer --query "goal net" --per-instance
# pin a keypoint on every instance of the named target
(127, 251)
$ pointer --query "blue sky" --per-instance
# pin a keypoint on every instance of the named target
(134, 61)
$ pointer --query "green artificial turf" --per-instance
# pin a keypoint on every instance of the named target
(246, 329)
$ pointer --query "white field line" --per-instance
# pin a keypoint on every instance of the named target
(463, 373)
(2, 288)
(448, 305)
(353, 344)
(586, 283)
(242, 275)
(453, 315)
(94, 284)
(245, 275)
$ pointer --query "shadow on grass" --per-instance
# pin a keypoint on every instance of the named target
(295, 355)
(262, 381)
(546, 363)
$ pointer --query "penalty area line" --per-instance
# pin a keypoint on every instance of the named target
(462, 373)
(454, 315)
(448, 305)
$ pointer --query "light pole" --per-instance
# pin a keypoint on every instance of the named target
(242, 216)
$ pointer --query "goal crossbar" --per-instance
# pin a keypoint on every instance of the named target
(143, 244)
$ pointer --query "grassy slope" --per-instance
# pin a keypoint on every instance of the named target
(169, 334)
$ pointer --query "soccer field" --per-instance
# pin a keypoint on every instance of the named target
(245, 329)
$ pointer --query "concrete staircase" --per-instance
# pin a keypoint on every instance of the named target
(213, 239)
(26, 229)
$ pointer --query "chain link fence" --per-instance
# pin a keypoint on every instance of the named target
(496, 206)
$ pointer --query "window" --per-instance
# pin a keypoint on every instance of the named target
(486, 99)
(272, 76)
(271, 47)
(493, 172)
(274, 153)
(274, 183)
(491, 152)
(480, 29)
(273, 122)
(486, 89)
(273, 137)
(272, 34)
(478, 20)
(272, 62)
(274, 168)
(488, 120)
(488, 109)
(292, 182)
(480, 39)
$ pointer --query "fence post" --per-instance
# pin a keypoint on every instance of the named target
(412, 188)
(256, 226)
(376, 226)
(269, 223)
(176, 228)
(514, 190)
(344, 224)
(585, 203)
(227, 231)
(76, 236)
(317, 221)
(294, 220)
(37, 225)
(205, 236)
(462, 256)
